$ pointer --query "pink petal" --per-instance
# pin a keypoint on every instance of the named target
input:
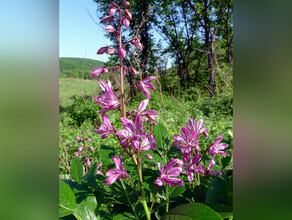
(143, 105)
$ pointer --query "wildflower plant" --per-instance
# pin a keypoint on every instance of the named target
(148, 176)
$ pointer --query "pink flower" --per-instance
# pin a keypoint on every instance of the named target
(122, 53)
(191, 167)
(98, 71)
(126, 22)
(125, 4)
(112, 5)
(110, 50)
(144, 86)
(217, 148)
(136, 42)
(168, 173)
(98, 171)
(108, 100)
(110, 29)
(186, 141)
(150, 114)
(197, 128)
(130, 129)
(118, 173)
(107, 19)
(144, 146)
(128, 14)
(210, 167)
(106, 128)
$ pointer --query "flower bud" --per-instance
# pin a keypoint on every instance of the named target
(136, 42)
(110, 50)
(110, 29)
(87, 161)
(112, 5)
(80, 149)
(88, 139)
(122, 53)
(91, 148)
(125, 69)
(77, 154)
(102, 50)
(125, 4)
(105, 70)
(128, 14)
(112, 12)
(96, 73)
(115, 68)
(79, 139)
(107, 19)
(149, 156)
(133, 71)
(126, 22)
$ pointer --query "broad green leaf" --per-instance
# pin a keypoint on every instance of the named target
(177, 191)
(224, 210)
(76, 170)
(88, 209)
(67, 198)
(64, 212)
(124, 216)
(161, 136)
(194, 211)
(217, 191)
(94, 181)
(105, 155)
(91, 169)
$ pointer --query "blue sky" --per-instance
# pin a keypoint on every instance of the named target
(79, 35)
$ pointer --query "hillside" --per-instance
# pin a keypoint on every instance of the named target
(73, 67)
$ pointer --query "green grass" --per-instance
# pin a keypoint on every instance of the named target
(69, 87)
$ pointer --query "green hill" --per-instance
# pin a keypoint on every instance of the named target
(73, 67)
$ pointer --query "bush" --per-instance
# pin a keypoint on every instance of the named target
(83, 109)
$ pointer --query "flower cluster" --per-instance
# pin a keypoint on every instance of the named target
(83, 151)
(188, 146)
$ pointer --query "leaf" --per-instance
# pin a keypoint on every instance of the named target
(67, 198)
(125, 215)
(91, 169)
(177, 191)
(88, 209)
(217, 191)
(76, 170)
(224, 210)
(64, 212)
(105, 155)
(194, 211)
(161, 136)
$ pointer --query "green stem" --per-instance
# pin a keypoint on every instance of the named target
(167, 199)
(142, 198)
(127, 195)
